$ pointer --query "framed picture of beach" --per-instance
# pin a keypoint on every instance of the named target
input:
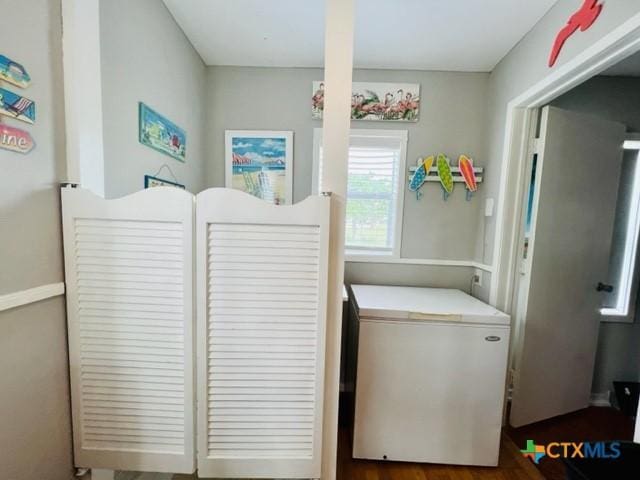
(260, 163)
(150, 181)
(159, 133)
(392, 102)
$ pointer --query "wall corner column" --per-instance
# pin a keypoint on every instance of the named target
(338, 72)
(83, 93)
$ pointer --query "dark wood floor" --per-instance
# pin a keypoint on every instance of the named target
(512, 466)
(590, 424)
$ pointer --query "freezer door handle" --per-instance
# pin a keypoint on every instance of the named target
(492, 338)
(434, 317)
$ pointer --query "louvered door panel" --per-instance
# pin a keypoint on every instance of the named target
(129, 265)
(262, 304)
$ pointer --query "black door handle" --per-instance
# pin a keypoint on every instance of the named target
(603, 287)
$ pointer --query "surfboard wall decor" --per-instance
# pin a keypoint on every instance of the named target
(420, 175)
(465, 164)
(446, 175)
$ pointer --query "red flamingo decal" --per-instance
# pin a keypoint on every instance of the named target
(582, 19)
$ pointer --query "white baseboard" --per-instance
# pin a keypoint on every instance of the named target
(602, 399)
(143, 476)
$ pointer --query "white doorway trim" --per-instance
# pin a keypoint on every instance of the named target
(609, 50)
(83, 93)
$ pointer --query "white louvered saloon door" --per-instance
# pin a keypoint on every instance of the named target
(261, 298)
(129, 278)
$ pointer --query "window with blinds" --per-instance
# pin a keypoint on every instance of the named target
(374, 191)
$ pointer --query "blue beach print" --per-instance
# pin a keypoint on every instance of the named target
(259, 167)
(161, 134)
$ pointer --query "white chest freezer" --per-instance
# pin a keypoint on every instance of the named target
(431, 373)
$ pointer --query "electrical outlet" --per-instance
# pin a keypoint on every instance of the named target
(477, 277)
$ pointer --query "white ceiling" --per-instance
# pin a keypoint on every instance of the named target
(629, 67)
(459, 35)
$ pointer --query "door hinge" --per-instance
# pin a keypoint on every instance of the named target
(523, 266)
(536, 145)
(510, 382)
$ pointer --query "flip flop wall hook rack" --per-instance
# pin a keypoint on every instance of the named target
(439, 169)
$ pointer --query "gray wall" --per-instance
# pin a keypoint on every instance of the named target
(617, 99)
(613, 98)
(452, 121)
(146, 57)
(35, 436)
(523, 67)
(618, 355)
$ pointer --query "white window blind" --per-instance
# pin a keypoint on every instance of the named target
(374, 190)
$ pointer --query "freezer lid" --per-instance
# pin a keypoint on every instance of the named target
(424, 304)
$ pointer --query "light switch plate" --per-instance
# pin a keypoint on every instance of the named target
(488, 207)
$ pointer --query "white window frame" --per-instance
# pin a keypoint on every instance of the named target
(626, 283)
(403, 137)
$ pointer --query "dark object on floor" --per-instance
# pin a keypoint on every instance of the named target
(622, 468)
(627, 394)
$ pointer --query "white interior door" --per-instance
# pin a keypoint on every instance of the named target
(573, 212)
(262, 300)
(129, 279)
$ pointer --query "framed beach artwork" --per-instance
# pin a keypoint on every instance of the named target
(394, 102)
(150, 181)
(260, 163)
(159, 133)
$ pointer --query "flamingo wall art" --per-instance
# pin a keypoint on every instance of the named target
(399, 102)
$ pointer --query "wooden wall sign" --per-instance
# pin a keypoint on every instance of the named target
(13, 72)
(582, 19)
(15, 140)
